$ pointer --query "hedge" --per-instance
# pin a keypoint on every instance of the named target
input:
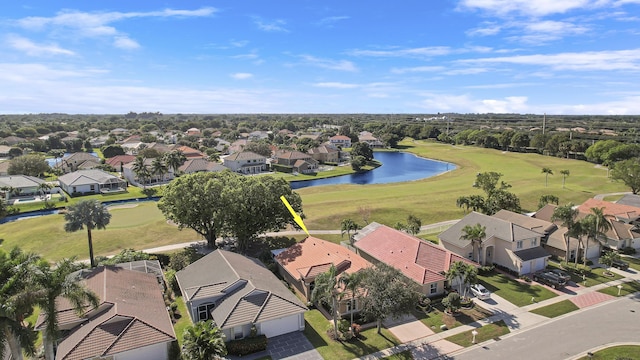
(247, 346)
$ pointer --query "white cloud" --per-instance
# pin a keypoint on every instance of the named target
(123, 42)
(527, 7)
(336, 85)
(271, 26)
(465, 103)
(32, 49)
(241, 76)
(486, 29)
(417, 69)
(332, 20)
(414, 52)
(341, 65)
(577, 61)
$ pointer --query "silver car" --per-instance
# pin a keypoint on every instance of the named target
(480, 291)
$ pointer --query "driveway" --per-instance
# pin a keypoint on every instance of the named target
(292, 346)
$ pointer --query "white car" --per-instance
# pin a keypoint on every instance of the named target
(480, 291)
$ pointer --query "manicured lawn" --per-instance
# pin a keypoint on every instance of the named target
(183, 321)
(627, 288)
(405, 355)
(594, 277)
(369, 342)
(139, 227)
(631, 352)
(516, 292)
(489, 331)
(436, 317)
(633, 262)
(132, 193)
(557, 309)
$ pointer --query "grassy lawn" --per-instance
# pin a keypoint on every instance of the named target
(633, 262)
(369, 342)
(436, 317)
(132, 193)
(594, 277)
(557, 309)
(489, 331)
(627, 288)
(139, 227)
(631, 352)
(516, 292)
(405, 355)
(183, 321)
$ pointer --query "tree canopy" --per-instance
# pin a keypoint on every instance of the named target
(226, 203)
(628, 171)
(362, 149)
(90, 214)
(30, 164)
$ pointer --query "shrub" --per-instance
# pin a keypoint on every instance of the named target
(486, 269)
(628, 251)
(247, 346)
(525, 278)
(356, 329)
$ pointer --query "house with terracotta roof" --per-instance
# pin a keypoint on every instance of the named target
(118, 161)
(238, 292)
(340, 141)
(189, 153)
(507, 244)
(300, 162)
(619, 212)
(300, 263)
(419, 260)
(245, 162)
(130, 323)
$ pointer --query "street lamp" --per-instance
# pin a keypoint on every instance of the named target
(619, 289)
(474, 333)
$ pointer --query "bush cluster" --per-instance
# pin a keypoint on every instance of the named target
(247, 346)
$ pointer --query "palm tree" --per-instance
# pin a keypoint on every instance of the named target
(547, 199)
(141, 169)
(325, 290)
(352, 282)
(348, 225)
(174, 160)
(90, 214)
(564, 173)
(203, 341)
(413, 224)
(455, 273)
(58, 282)
(547, 171)
(476, 234)
(596, 224)
(463, 202)
(45, 188)
(158, 168)
(566, 214)
(17, 271)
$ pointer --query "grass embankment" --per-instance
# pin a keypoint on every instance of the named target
(435, 318)
(487, 332)
(627, 288)
(434, 199)
(139, 227)
(630, 352)
(368, 342)
(557, 309)
(516, 292)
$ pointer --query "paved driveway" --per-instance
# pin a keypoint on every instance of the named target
(292, 346)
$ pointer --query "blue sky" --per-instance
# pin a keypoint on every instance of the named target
(256, 56)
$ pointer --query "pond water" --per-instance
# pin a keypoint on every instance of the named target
(396, 167)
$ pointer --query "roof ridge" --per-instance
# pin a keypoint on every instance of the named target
(131, 321)
(269, 295)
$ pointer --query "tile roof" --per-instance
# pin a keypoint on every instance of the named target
(132, 315)
(20, 181)
(421, 261)
(340, 137)
(545, 213)
(618, 210)
(244, 155)
(291, 155)
(528, 222)
(312, 256)
(88, 177)
(239, 281)
(195, 165)
(116, 160)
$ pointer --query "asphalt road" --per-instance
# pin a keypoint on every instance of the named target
(617, 321)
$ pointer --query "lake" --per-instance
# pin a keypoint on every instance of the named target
(396, 167)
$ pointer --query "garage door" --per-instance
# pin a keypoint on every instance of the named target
(593, 252)
(525, 267)
(280, 326)
(537, 265)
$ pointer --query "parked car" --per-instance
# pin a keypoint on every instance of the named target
(480, 292)
(550, 279)
(562, 274)
(622, 265)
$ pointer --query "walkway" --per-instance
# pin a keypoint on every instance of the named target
(292, 346)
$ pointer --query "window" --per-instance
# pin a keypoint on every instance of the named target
(433, 288)
(93, 188)
(572, 254)
(519, 244)
(238, 333)
(470, 256)
(202, 313)
(534, 242)
(349, 306)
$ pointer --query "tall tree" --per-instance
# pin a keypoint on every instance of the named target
(203, 341)
(326, 290)
(628, 171)
(141, 169)
(174, 159)
(595, 225)
(59, 282)
(565, 173)
(413, 224)
(476, 234)
(159, 168)
(566, 214)
(89, 214)
(389, 293)
(353, 283)
(463, 202)
(547, 199)
(546, 171)
(347, 226)
(362, 149)
(30, 164)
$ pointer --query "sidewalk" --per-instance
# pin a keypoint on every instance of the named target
(518, 319)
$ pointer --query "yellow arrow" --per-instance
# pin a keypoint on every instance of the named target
(296, 217)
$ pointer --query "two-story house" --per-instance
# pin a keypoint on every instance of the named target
(300, 162)
(506, 244)
(245, 162)
(325, 154)
(340, 141)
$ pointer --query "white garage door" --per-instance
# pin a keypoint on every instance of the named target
(593, 252)
(525, 268)
(537, 265)
(280, 326)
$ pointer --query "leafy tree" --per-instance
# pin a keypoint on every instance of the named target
(546, 171)
(58, 282)
(628, 171)
(452, 302)
(227, 203)
(260, 148)
(125, 255)
(141, 169)
(547, 199)
(565, 173)
(358, 162)
(90, 214)
(501, 199)
(598, 151)
(595, 224)
(326, 290)
(567, 215)
(348, 225)
(413, 224)
(476, 234)
(362, 149)
(389, 293)
(352, 282)
(30, 164)
(174, 159)
(608, 259)
(113, 150)
(149, 153)
(203, 341)
(158, 168)
(15, 152)
(464, 274)
(488, 182)
(520, 140)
